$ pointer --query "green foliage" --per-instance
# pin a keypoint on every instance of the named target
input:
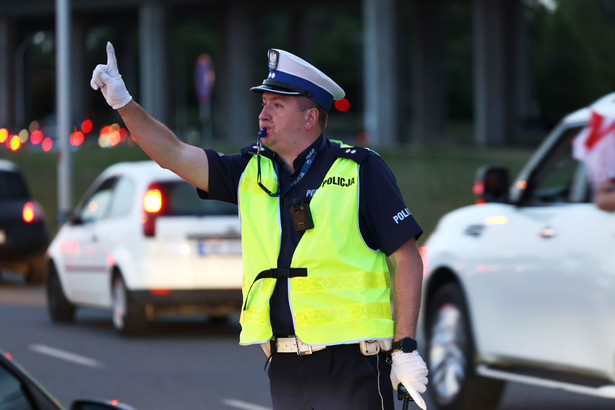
(338, 48)
(572, 54)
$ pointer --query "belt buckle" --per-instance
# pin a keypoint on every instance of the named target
(299, 345)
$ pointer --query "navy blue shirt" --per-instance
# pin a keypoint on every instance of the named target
(384, 220)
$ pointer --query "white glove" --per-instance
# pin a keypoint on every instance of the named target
(108, 79)
(410, 370)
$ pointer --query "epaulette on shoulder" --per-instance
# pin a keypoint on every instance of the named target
(357, 154)
(249, 150)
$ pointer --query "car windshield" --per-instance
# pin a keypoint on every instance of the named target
(182, 199)
(12, 186)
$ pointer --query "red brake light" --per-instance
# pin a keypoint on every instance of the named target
(28, 212)
(152, 204)
(478, 188)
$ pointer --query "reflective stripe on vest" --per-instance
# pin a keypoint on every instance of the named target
(346, 294)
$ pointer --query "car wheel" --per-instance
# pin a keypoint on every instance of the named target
(36, 269)
(59, 307)
(128, 316)
(453, 383)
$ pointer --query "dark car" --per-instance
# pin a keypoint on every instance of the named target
(23, 232)
(19, 390)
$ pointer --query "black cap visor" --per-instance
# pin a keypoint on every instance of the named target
(274, 89)
(279, 87)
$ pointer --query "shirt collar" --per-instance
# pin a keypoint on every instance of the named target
(301, 158)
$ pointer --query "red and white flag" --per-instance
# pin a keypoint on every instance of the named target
(595, 145)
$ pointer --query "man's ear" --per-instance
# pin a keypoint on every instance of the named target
(311, 118)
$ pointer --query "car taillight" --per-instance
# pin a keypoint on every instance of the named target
(478, 189)
(153, 200)
(31, 212)
(152, 205)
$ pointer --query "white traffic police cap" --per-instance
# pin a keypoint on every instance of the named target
(291, 75)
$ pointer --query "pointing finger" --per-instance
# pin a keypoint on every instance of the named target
(111, 60)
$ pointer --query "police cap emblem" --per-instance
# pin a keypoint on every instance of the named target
(273, 59)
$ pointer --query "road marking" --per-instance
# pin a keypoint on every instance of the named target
(64, 355)
(243, 405)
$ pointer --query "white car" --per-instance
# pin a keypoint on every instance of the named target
(522, 287)
(142, 243)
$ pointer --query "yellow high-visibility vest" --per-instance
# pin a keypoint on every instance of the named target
(345, 296)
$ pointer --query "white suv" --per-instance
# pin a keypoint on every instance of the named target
(143, 244)
(522, 287)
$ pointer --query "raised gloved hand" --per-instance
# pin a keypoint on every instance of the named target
(108, 79)
(410, 370)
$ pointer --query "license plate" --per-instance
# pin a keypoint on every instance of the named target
(219, 247)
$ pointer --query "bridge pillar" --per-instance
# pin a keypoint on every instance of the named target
(80, 74)
(7, 73)
(501, 71)
(381, 112)
(428, 72)
(153, 60)
(242, 67)
(489, 81)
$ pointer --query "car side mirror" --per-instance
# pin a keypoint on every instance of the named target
(74, 219)
(491, 184)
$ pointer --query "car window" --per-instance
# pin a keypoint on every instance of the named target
(183, 200)
(96, 205)
(558, 177)
(122, 199)
(12, 396)
(12, 186)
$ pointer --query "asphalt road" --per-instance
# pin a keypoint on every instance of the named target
(182, 364)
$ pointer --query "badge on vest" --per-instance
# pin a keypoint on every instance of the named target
(300, 215)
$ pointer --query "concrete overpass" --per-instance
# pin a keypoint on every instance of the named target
(500, 63)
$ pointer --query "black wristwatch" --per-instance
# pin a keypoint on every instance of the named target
(406, 345)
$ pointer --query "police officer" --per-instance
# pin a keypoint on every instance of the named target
(322, 223)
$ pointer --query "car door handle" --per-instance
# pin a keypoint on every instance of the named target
(474, 230)
(547, 232)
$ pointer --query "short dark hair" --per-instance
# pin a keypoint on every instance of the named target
(306, 103)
